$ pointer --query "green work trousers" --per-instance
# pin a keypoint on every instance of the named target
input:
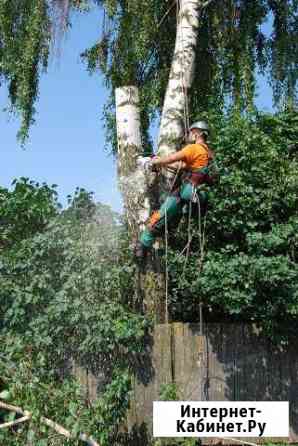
(170, 212)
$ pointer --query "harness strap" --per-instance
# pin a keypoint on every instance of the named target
(200, 176)
(197, 177)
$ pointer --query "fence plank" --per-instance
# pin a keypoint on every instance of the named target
(229, 362)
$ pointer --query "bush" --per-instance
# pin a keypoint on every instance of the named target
(65, 291)
(249, 267)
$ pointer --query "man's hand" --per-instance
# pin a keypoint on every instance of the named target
(155, 165)
(147, 164)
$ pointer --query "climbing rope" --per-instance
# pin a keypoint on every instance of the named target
(195, 195)
(186, 127)
(166, 245)
(202, 233)
(166, 14)
(189, 235)
(167, 272)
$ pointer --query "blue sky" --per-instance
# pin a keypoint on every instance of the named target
(66, 143)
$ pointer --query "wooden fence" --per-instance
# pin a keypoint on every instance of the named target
(228, 362)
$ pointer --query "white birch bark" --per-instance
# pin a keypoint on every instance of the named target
(131, 173)
(135, 184)
(180, 79)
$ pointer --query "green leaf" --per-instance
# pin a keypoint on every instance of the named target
(5, 395)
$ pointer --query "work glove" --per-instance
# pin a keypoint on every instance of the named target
(147, 164)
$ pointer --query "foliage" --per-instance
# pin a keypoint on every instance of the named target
(250, 258)
(169, 392)
(232, 43)
(65, 294)
(66, 278)
(177, 442)
(25, 210)
(26, 31)
(24, 49)
(33, 385)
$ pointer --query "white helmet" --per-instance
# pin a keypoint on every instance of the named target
(201, 125)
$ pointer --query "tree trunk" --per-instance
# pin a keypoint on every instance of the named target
(131, 176)
(134, 185)
(174, 119)
(175, 109)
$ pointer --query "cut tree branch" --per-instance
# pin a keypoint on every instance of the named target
(13, 423)
(57, 427)
(12, 408)
(237, 441)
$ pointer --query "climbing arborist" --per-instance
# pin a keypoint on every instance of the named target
(194, 160)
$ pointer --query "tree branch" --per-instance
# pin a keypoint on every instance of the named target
(238, 441)
(207, 3)
(13, 423)
(12, 408)
(57, 427)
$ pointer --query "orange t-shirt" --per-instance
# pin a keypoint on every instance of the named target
(195, 156)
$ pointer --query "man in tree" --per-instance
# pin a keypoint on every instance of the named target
(193, 160)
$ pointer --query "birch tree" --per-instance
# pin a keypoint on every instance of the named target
(175, 108)
(133, 179)
(260, 220)
(232, 48)
(175, 80)
(134, 184)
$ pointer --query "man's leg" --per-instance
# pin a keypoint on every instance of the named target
(199, 199)
(169, 211)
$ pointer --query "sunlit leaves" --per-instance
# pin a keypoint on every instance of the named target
(65, 288)
(250, 267)
(137, 45)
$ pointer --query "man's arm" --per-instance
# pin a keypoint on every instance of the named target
(170, 159)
